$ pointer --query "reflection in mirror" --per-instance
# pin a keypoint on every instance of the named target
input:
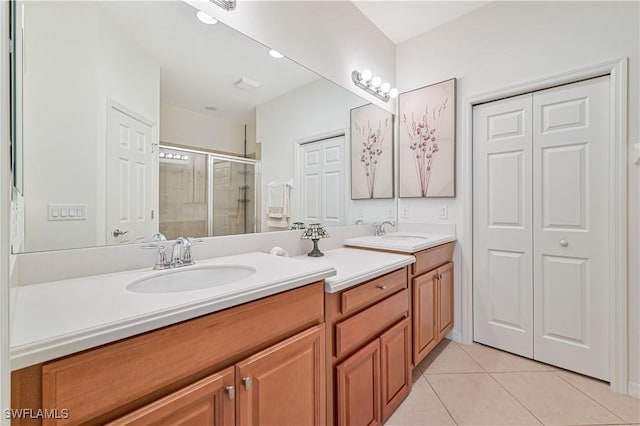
(107, 90)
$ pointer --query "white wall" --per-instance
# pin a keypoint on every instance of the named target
(332, 38)
(65, 115)
(509, 43)
(312, 110)
(201, 130)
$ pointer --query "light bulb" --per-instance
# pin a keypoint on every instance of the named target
(393, 93)
(376, 82)
(161, 155)
(385, 87)
(275, 54)
(366, 75)
(206, 19)
(169, 155)
(185, 157)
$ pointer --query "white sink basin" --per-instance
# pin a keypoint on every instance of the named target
(179, 280)
(396, 237)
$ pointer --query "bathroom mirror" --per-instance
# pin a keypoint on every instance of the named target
(138, 117)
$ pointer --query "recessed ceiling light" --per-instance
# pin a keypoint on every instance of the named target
(275, 54)
(206, 19)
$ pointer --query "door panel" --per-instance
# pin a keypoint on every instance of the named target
(502, 294)
(425, 333)
(445, 300)
(571, 147)
(323, 174)
(206, 402)
(358, 390)
(284, 384)
(396, 366)
(131, 180)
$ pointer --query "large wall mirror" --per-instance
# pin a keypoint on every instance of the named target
(137, 117)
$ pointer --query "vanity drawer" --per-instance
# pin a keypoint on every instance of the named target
(359, 329)
(373, 290)
(429, 259)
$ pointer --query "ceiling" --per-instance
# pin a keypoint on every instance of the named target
(199, 63)
(403, 20)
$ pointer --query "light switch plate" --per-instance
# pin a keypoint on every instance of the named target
(443, 212)
(67, 211)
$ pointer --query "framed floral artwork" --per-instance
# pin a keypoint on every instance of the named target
(427, 141)
(371, 153)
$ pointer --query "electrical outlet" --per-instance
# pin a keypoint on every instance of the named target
(405, 212)
(360, 212)
(443, 212)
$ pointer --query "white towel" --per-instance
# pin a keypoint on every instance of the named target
(278, 205)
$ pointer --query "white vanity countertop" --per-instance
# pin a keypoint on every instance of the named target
(355, 266)
(405, 242)
(63, 317)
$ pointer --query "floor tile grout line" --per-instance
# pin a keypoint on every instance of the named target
(469, 355)
(514, 397)
(441, 401)
(589, 396)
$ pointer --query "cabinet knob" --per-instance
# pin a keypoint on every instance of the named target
(231, 392)
(246, 381)
(564, 243)
(382, 287)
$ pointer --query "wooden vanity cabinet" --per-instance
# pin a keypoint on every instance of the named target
(370, 331)
(432, 297)
(258, 363)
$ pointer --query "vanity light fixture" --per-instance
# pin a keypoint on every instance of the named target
(227, 5)
(373, 85)
(275, 54)
(206, 19)
(314, 232)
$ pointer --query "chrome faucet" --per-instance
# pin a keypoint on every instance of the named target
(161, 257)
(180, 252)
(378, 228)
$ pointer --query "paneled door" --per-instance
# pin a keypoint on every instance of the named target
(131, 178)
(323, 182)
(570, 218)
(540, 226)
(502, 240)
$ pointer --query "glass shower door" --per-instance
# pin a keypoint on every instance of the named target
(233, 196)
(184, 195)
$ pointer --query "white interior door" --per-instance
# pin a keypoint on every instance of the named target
(131, 182)
(323, 174)
(570, 163)
(503, 275)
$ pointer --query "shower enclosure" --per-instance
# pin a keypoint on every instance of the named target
(204, 194)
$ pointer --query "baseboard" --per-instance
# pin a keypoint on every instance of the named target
(633, 389)
(456, 336)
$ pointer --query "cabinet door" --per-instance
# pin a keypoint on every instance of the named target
(445, 300)
(358, 379)
(395, 358)
(207, 402)
(425, 315)
(284, 384)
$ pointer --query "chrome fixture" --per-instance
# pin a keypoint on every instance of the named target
(314, 232)
(360, 222)
(180, 252)
(378, 228)
(373, 85)
(161, 257)
(227, 5)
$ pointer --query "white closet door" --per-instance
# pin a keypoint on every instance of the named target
(323, 174)
(502, 286)
(571, 139)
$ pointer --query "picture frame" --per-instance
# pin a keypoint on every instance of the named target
(427, 141)
(372, 157)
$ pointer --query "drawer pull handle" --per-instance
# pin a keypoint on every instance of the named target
(246, 381)
(231, 392)
(382, 287)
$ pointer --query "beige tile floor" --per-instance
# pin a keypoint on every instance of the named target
(479, 385)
